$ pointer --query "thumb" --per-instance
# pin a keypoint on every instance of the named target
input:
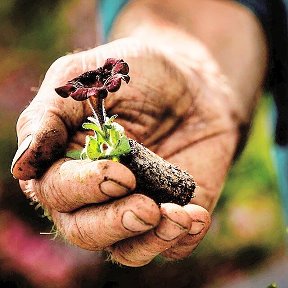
(42, 137)
(43, 129)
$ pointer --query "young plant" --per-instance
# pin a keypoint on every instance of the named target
(108, 142)
(156, 178)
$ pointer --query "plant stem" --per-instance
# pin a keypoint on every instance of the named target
(98, 110)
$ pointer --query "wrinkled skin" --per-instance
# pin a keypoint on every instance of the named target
(181, 120)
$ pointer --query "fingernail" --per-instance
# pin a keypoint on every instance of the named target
(169, 230)
(196, 228)
(133, 223)
(113, 189)
(22, 148)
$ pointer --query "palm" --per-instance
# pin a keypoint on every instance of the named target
(185, 122)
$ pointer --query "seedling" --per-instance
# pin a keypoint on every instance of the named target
(155, 177)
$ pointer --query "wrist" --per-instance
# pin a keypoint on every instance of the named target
(221, 39)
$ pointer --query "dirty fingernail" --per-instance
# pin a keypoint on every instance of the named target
(22, 148)
(169, 230)
(133, 223)
(113, 189)
(196, 228)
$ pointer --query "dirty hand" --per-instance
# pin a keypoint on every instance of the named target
(170, 109)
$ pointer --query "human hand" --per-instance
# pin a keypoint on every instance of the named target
(178, 112)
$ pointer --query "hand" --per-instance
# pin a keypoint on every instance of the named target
(89, 201)
(189, 96)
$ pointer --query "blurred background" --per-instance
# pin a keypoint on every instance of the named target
(247, 243)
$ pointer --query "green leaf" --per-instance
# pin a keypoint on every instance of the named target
(74, 154)
(273, 285)
(109, 123)
(94, 127)
(110, 120)
(83, 154)
(93, 120)
(118, 128)
(109, 140)
(114, 136)
(122, 148)
(92, 148)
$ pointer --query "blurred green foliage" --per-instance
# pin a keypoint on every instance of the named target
(31, 34)
(273, 285)
(7, 144)
(249, 216)
(32, 29)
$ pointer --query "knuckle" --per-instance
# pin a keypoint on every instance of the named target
(76, 232)
(59, 65)
(118, 256)
(28, 120)
(141, 198)
(174, 255)
(23, 120)
(55, 196)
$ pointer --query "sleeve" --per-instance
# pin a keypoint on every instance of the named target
(273, 17)
(108, 10)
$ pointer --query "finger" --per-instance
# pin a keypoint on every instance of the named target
(70, 184)
(97, 227)
(42, 130)
(138, 251)
(200, 224)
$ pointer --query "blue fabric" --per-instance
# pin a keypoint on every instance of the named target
(108, 11)
(280, 156)
(281, 159)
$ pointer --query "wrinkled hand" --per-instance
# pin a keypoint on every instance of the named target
(180, 113)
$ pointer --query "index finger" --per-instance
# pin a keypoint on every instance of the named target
(71, 184)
